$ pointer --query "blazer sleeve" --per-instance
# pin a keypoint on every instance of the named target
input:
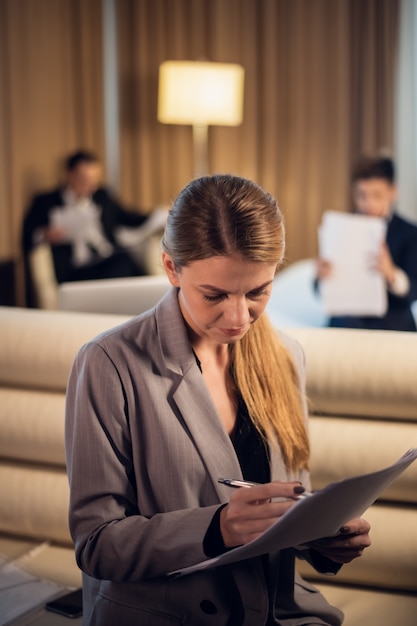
(113, 538)
(115, 214)
(408, 263)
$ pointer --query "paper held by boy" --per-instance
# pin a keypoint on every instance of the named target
(351, 243)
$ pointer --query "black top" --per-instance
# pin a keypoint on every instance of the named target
(250, 448)
(252, 453)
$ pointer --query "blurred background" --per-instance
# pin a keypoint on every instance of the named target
(323, 81)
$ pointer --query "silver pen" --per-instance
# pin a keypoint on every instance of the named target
(234, 482)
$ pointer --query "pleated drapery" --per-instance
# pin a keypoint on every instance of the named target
(51, 102)
(319, 89)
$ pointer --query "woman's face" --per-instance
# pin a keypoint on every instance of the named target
(220, 297)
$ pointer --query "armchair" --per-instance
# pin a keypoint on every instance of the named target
(42, 273)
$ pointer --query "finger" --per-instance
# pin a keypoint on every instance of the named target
(343, 556)
(356, 526)
(343, 542)
(283, 490)
(264, 510)
(276, 490)
(240, 524)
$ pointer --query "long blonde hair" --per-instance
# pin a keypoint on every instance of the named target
(223, 215)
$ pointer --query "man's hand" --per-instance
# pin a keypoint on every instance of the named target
(54, 235)
(324, 269)
(385, 265)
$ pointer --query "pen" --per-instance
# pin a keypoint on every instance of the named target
(233, 482)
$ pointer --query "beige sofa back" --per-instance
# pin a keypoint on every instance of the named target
(37, 350)
(363, 400)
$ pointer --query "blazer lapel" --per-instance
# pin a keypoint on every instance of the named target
(193, 398)
(215, 447)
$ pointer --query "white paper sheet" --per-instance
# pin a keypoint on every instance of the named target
(351, 243)
(320, 515)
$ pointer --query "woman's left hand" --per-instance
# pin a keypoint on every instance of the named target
(350, 543)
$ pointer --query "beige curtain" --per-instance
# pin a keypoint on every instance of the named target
(405, 124)
(51, 102)
(319, 90)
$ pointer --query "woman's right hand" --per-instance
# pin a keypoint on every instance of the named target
(252, 511)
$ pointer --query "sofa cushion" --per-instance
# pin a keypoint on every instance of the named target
(370, 607)
(342, 447)
(32, 425)
(34, 502)
(38, 347)
(359, 372)
(378, 567)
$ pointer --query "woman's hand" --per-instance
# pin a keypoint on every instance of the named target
(350, 543)
(252, 511)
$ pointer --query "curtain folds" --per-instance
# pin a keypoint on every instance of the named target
(51, 102)
(405, 123)
(319, 89)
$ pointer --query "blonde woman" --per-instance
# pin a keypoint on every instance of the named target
(198, 388)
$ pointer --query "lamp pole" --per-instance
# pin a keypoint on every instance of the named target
(202, 94)
(200, 149)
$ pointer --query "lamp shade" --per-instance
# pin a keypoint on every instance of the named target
(200, 93)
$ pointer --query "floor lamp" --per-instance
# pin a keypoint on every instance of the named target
(201, 94)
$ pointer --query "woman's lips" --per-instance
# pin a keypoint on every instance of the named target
(232, 332)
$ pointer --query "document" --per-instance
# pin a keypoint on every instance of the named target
(320, 515)
(351, 243)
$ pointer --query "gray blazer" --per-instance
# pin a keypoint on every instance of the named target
(145, 448)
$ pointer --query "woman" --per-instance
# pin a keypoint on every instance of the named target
(159, 408)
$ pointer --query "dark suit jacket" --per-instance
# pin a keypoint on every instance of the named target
(145, 448)
(112, 216)
(402, 243)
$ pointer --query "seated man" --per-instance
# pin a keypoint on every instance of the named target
(80, 221)
(374, 194)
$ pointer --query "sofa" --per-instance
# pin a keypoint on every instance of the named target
(363, 404)
(124, 296)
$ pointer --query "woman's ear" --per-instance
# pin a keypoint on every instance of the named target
(170, 270)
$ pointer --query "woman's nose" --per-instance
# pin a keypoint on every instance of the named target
(237, 312)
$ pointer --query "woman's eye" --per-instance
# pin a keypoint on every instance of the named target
(258, 294)
(252, 295)
(217, 298)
